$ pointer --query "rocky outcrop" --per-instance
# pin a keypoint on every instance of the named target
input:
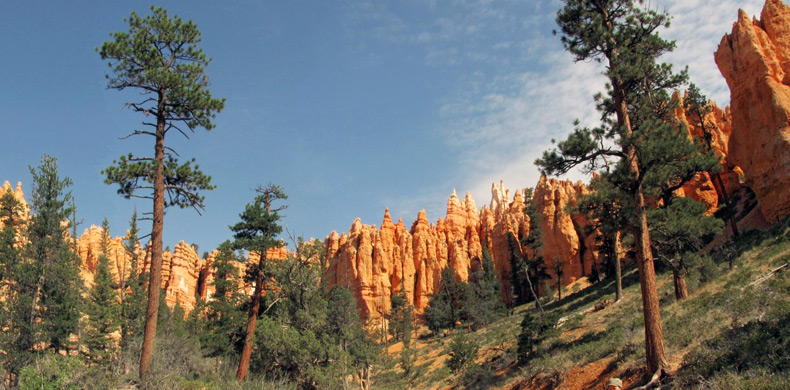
(19, 195)
(376, 263)
(755, 61)
(569, 241)
(708, 188)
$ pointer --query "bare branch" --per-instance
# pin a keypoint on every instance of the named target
(137, 132)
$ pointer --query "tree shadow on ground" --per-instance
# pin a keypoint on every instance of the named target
(593, 294)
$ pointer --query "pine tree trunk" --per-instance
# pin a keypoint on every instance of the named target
(155, 274)
(726, 198)
(654, 338)
(559, 288)
(618, 273)
(534, 295)
(246, 352)
(681, 290)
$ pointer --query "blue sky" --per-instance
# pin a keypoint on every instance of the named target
(350, 106)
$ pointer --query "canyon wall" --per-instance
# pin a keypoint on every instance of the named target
(375, 263)
(185, 275)
(755, 60)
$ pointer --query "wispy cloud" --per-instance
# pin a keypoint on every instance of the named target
(499, 120)
(501, 124)
(697, 27)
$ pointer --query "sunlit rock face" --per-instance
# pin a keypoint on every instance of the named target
(567, 239)
(705, 187)
(376, 263)
(755, 61)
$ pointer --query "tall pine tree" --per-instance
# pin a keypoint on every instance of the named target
(482, 303)
(636, 130)
(159, 58)
(133, 298)
(257, 233)
(12, 223)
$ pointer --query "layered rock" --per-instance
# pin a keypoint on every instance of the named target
(376, 263)
(715, 128)
(89, 250)
(504, 225)
(755, 61)
(567, 239)
(19, 195)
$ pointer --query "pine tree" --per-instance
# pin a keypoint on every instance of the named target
(257, 233)
(678, 229)
(444, 307)
(401, 318)
(637, 128)
(159, 58)
(532, 268)
(357, 349)
(57, 266)
(605, 208)
(133, 303)
(224, 317)
(102, 309)
(483, 304)
(11, 222)
(13, 228)
(696, 105)
(42, 280)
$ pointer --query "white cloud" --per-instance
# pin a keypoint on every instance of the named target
(697, 27)
(500, 125)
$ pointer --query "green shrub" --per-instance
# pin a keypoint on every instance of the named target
(462, 351)
(52, 372)
(758, 344)
(534, 329)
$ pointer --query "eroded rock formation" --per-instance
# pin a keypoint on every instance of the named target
(755, 61)
(376, 263)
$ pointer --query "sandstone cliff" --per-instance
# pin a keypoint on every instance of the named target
(376, 263)
(755, 61)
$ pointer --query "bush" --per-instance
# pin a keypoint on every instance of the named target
(534, 329)
(702, 269)
(52, 372)
(757, 345)
(462, 351)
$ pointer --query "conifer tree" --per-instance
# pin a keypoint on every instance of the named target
(401, 318)
(13, 226)
(10, 224)
(357, 351)
(59, 283)
(224, 317)
(42, 281)
(605, 209)
(257, 233)
(444, 307)
(483, 304)
(133, 303)
(636, 131)
(533, 267)
(159, 58)
(679, 229)
(103, 308)
(696, 105)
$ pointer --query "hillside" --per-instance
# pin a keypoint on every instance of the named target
(731, 333)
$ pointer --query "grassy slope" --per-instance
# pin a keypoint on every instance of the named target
(726, 335)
